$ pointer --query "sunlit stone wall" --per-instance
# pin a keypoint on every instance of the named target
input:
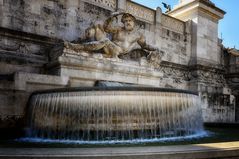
(30, 28)
(67, 20)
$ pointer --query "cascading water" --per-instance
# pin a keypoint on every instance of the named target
(114, 114)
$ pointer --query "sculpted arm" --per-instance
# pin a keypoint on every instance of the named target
(144, 45)
(108, 24)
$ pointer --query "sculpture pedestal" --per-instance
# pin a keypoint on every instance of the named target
(85, 69)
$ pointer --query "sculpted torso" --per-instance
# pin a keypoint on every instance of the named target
(126, 40)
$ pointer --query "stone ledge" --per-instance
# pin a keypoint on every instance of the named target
(198, 151)
(21, 80)
(16, 34)
(94, 67)
(20, 58)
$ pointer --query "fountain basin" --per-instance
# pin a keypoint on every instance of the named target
(113, 113)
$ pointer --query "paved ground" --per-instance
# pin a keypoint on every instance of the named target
(198, 151)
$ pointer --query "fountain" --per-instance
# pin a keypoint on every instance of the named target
(38, 52)
(113, 113)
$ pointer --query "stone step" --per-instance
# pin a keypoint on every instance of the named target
(224, 150)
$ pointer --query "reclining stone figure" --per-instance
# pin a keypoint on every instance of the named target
(125, 39)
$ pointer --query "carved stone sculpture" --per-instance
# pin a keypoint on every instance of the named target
(126, 41)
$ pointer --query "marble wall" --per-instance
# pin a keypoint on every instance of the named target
(67, 20)
(30, 31)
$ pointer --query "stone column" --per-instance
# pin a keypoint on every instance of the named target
(121, 5)
(158, 26)
(158, 16)
(206, 76)
(205, 17)
(71, 32)
(188, 37)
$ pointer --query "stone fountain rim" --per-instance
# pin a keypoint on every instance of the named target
(115, 88)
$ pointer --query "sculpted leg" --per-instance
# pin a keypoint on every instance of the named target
(91, 46)
(110, 49)
(94, 45)
(75, 47)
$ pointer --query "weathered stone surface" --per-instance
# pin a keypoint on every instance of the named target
(21, 51)
(85, 66)
(225, 150)
(68, 21)
(15, 91)
(194, 57)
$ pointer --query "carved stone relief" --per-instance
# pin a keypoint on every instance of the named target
(95, 10)
(173, 24)
(209, 77)
(174, 77)
(132, 45)
(140, 12)
(106, 3)
(18, 46)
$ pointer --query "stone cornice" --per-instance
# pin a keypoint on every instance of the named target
(16, 58)
(233, 52)
(212, 6)
(174, 65)
(213, 12)
(28, 36)
(201, 5)
(207, 68)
